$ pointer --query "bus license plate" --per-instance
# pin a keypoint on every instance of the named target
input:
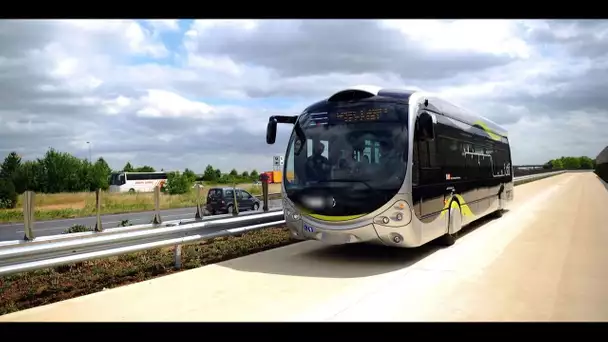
(335, 238)
(308, 229)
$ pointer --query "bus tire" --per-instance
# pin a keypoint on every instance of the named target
(131, 191)
(498, 213)
(454, 224)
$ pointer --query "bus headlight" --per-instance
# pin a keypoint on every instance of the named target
(290, 214)
(398, 215)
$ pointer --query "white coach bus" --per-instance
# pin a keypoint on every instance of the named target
(136, 181)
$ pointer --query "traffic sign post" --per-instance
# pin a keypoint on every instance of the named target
(278, 162)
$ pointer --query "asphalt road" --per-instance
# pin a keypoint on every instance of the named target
(14, 231)
(544, 260)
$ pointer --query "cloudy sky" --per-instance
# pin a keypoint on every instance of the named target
(176, 94)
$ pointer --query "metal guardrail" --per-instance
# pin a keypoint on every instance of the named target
(27, 256)
(529, 178)
(48, 251)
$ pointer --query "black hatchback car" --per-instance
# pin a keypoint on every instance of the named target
(221, 200)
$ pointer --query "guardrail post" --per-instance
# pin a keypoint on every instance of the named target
(177, 254)
(157, 219)
(199, 209)
(28, 215)
(265, 194)
(98, 227)
(264, 180)
(235, 206)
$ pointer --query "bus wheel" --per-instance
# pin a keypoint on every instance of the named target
(131, 191)
(498, 213)
(454, 224)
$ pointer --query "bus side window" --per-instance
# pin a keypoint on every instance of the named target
(428, 171)
(453, 160)
(427, 163)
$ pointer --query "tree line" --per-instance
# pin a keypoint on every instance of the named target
(59, 172)
(62, 172)
(571, 163)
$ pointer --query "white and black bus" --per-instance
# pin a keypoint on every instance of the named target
(389, 166)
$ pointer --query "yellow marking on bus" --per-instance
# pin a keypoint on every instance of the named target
(488, 130)
(329, 218)
(464, 208)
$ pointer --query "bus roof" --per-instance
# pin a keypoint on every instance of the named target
(145, 171)
(141, 172)
(436, 103)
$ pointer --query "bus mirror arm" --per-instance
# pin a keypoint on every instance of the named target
(285, 119)
(271, 129)
(425, 127)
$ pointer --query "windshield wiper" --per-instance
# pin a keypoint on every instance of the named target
(348, 180)
(374, 191)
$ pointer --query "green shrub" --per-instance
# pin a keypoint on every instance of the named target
(8, 195)
(178, 183)
(77, 228)
(125, 223)
(255, 190)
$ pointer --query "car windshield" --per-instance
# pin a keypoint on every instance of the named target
(349, 159)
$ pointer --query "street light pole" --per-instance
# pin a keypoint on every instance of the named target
(89, 144)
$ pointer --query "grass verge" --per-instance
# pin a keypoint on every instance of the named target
(35, 288)
(82, 204)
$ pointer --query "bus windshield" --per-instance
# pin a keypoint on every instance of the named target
(352, 159)
(117, 178)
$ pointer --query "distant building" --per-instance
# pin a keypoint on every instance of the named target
(601, 164)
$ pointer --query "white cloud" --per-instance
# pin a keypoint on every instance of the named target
(493, 36)
(65, 82)
(163, 103)
(164, 24)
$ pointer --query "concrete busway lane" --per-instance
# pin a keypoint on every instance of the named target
(543, 260)
(14, 231)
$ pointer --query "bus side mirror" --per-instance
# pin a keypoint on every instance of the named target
(271, 131)
(425, 127)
